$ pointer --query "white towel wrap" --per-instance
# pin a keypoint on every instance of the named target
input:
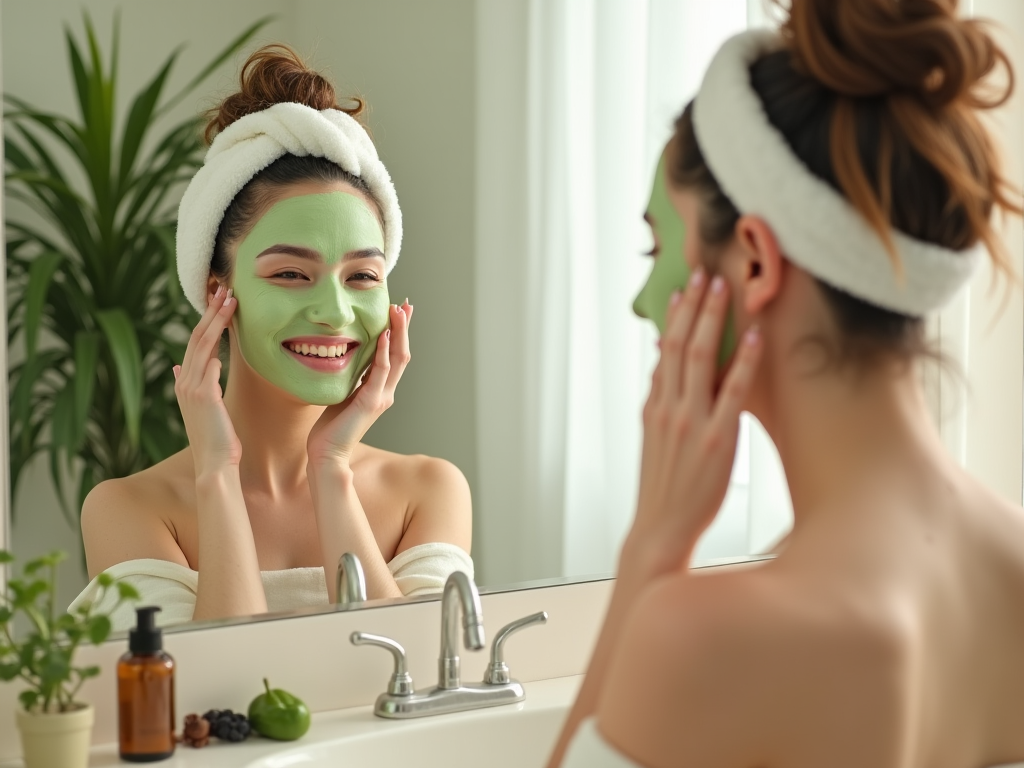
(249, 145)
(816, 227)
(418, 570)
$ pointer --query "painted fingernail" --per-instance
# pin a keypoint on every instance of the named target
(229, 301)
(718, 284)
(220, 291)
(697, 278)
(231, 292)
(407, 301)
(676, 297)
(752, 336)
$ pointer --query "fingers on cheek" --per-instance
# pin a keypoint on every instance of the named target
(384, 347)
(741, 378)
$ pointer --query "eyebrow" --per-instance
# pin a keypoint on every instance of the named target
(311, 254)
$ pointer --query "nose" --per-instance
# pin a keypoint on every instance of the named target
(330, 304)
(638, 306)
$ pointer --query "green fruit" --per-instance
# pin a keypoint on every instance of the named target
(277, 714)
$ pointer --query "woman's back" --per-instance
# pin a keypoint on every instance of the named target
(892, 638)
(931, 598)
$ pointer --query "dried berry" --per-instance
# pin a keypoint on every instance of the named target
(196, 732)
(227, 725)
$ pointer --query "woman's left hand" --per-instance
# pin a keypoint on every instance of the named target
(341, 427)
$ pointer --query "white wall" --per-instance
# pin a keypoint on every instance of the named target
(995, 369)
(414, 63)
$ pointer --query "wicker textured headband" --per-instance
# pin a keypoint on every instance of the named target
(817, 228)
(249, 145)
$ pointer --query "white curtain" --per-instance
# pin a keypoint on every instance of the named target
(566, 153)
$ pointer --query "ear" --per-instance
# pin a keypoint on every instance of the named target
(212, 283)
(762, 264)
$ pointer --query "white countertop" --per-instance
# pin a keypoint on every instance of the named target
(330, 726)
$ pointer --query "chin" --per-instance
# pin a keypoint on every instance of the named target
(323, 398)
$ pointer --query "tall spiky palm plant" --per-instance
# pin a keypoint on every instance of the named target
(93, 299)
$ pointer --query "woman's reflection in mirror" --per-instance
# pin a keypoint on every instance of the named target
(286, 236)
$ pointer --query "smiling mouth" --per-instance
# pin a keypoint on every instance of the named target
(320, 350)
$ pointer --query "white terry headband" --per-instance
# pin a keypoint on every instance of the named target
(249, 145)
(817, 228)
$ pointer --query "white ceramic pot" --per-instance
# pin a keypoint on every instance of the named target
(55, 739)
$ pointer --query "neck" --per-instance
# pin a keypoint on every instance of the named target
(844, 436)
(272, 428)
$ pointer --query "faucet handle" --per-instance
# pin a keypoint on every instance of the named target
(350, 584)
(497, 670)
(401, 680)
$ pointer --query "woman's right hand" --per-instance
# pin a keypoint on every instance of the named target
(197, 386)
(691, 424)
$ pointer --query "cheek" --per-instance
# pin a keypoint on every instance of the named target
(262, 312)
(692, 250)
(374, 309)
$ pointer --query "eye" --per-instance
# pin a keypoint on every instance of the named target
(363, 277)
(289, 274)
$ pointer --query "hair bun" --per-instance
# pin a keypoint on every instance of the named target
(878, 48)
(275, 74)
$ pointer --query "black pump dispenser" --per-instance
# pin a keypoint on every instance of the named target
(146, 637)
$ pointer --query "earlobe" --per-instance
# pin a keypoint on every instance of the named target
(212, 284)
(764, 263)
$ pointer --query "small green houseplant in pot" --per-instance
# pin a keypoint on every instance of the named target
(55, 726)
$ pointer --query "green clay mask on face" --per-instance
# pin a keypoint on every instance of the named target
(286, 300)
(671, 271)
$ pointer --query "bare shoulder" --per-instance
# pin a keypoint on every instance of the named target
(434, 492)
(750, 649)
(131, 518)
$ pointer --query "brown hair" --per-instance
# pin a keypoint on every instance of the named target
(879, 99)
(275, 74)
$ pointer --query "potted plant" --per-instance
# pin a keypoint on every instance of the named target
(93, 299)
(55, 727)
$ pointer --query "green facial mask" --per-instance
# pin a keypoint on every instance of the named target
(330, 303)
(671, 272)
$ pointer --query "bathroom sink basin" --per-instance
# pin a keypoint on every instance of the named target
(517, 736)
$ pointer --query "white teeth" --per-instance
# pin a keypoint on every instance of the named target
(322, 350)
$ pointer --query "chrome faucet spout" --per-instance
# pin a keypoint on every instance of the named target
(459, 591)
(400, 700)
(350, 586)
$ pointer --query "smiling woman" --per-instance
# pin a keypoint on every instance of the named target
(285, 240)
(294, 275)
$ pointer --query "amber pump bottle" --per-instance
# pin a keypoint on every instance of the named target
(145, 694)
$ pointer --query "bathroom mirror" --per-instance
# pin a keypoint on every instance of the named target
(522, 138)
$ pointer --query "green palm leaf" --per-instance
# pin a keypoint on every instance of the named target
(124, 349)
(93, 295)
(40, 273)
